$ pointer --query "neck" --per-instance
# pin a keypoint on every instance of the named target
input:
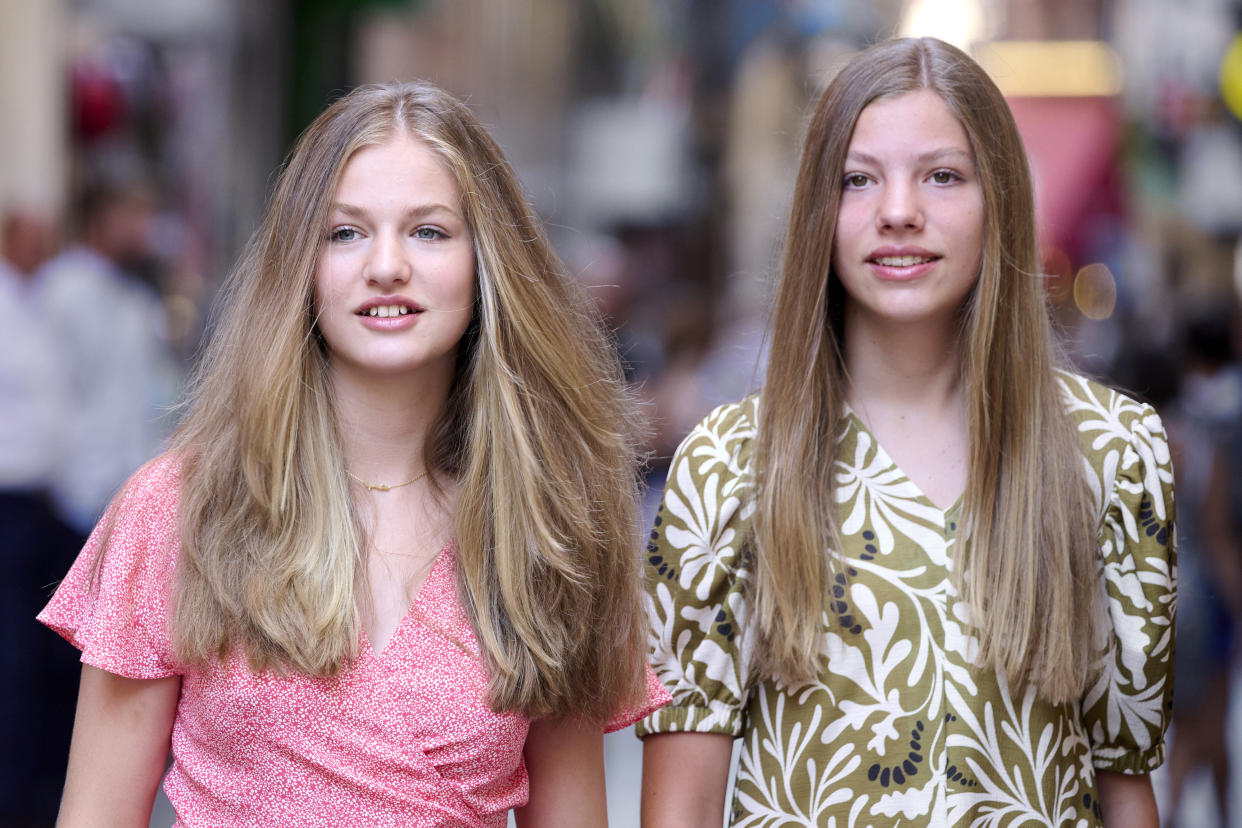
(906, 365)
(385, 421)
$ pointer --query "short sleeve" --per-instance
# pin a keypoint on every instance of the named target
(113, 604)
(1127, 708)
(657, 697)
(696, 572)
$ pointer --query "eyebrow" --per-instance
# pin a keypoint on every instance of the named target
(416, 212)
(930, 157)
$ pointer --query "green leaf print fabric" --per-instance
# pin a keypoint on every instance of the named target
(900, 729)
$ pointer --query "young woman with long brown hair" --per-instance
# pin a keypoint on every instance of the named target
(386, 573)
(925, 576)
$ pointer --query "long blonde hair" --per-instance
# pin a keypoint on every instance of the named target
(1028, 550)
(538, 432)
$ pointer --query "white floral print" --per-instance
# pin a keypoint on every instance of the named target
(902, 728)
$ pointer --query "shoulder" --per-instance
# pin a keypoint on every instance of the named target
(156, 484)
(76, 278)
(1107, 418)
(733, 418)
(708, 498)
(1084, 396)
(717, 454)
(143, 513)
(9, 279)
(729, 430)
(114, 602)
(73, 267)
(1124, 444)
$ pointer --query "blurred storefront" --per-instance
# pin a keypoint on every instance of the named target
(617, 114)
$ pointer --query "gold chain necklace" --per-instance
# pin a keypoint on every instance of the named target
(380, 487)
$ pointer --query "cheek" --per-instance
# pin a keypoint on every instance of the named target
(320, 302)
(851, 227)
(840, 232)
(854, 208)
(976, 234)
(328, 288)
(834, 263)
(843, 256)
(459, 284)
(464, 307)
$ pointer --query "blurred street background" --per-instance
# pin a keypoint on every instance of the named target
(659, 140)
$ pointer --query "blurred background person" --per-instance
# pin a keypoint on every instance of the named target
(1206, 436)
(109, 321)
(34, 545)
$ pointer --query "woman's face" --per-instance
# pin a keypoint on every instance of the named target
(909, 235)
(394, 286)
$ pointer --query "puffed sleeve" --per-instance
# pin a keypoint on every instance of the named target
(1127, 708)
(696, 571)
(113, 604)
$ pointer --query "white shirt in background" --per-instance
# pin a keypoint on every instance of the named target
(33, 389)
(122, 377)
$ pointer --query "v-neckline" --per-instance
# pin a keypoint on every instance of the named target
(433, 572)
(946, 512)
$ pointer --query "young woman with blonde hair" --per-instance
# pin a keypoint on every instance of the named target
(386, 573)
(925, 576)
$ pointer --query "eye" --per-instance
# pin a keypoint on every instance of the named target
(945, 177)
(426, 233)
(344, 234)
(854, 181)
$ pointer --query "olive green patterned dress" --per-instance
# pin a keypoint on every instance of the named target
(900, 729)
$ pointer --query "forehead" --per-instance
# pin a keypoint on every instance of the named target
(399, 164)
(909, 123)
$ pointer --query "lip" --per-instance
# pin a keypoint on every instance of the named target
(389, 323)
(891, 273)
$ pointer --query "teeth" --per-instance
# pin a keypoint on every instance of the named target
(901, 261)
(386, 311)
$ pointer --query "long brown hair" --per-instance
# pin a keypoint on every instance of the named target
(1028, 542)
(538, 432)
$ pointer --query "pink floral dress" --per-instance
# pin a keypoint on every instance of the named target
(401, 737)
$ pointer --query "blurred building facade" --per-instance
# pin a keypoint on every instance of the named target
(679, 114)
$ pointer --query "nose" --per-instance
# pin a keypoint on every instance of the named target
(388, 262)
(900, 207)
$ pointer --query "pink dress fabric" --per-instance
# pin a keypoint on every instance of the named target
(402, 737)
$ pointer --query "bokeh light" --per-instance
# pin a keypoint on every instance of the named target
(1095, 291)
(1231, 77)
